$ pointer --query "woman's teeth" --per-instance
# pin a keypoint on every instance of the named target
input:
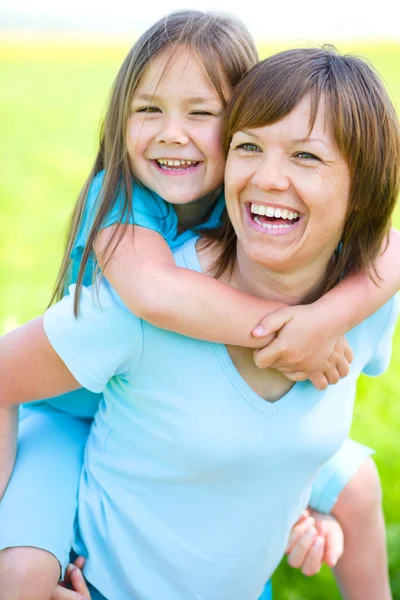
(269, 211)
(271, 225)
(168, 163)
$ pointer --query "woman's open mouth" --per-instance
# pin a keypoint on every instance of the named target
(269, 218)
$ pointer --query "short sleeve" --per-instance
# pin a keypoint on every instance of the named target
(105, 339)
(380, 359)
(149, 211)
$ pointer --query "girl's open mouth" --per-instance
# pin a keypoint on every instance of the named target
(173, 166)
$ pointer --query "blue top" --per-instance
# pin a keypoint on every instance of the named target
(191, 480)
(149, 211)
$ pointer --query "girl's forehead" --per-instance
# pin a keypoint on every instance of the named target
(180, 69)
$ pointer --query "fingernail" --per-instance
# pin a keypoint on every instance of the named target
(319, 542)
(258, 331)
(333, 560)
(311, 532)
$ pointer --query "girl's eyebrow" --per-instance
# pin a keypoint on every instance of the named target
(190, 99)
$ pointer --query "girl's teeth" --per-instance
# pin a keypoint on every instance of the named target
(169, 162)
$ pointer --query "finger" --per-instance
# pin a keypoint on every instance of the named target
(80, 562)
(302, 547)
(343, 367)
(271, 323)
(298, 530)
(313, 561)
(334, 545)
(79, 583)
(348, 354)
(266, 357)
(61, 593)
(293, 375)
(319, 380)
(332, 375)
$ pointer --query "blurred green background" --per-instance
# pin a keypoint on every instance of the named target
(53, 95)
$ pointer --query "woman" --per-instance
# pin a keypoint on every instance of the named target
(190, 486)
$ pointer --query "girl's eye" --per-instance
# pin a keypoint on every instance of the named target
(148, 109)
(248, 147)
(201, 112)
(307, 156)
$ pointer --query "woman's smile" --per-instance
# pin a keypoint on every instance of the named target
(287, 190)
(273, 220)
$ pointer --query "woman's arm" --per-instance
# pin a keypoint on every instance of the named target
(8, 444)
(30, 369)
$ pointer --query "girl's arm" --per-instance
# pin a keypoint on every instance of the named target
(8, 444)
(30, 369)
(349, 303)
(143, 272)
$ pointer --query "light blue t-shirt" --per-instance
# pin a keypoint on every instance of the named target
(191, 481)
(149, 211)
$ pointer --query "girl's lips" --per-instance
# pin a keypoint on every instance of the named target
(279, 228)
(176, 171)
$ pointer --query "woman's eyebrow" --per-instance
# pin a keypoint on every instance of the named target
(247, 132)
(310, 139)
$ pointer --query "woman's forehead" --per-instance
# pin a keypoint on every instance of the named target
(310, 119)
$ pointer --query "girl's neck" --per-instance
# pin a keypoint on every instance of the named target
(195, 213)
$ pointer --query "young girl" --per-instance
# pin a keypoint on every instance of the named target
(167, 136)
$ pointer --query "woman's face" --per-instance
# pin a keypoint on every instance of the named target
(287, 190)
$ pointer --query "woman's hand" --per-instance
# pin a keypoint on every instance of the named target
(315, 539)
(74, 585)
(304, 346)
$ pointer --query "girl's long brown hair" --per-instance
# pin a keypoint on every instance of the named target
(366, 130)
(227, 52)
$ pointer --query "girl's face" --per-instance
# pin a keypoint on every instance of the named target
(287, 190)
(174, 130)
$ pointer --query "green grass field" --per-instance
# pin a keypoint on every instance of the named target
(52, 99)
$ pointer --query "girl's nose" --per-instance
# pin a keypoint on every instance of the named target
(172, 132)
(271, 175)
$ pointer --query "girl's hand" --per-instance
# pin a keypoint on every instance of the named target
(315, 539)
(304, 346)
(74, 585)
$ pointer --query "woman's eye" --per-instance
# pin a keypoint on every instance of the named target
(307, 156)
(247, 147)
(148, 109)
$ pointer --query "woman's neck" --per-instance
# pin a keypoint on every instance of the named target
(289, 287)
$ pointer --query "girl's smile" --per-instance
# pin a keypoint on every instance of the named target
(174, 131)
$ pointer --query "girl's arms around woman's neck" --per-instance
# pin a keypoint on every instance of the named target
(143, 272)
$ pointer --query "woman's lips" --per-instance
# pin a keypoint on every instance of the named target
(271, 225)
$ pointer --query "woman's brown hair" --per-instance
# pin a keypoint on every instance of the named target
(226, 50)
(366, 130)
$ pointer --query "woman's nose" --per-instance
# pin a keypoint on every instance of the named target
(271, 175)
(172, 132)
